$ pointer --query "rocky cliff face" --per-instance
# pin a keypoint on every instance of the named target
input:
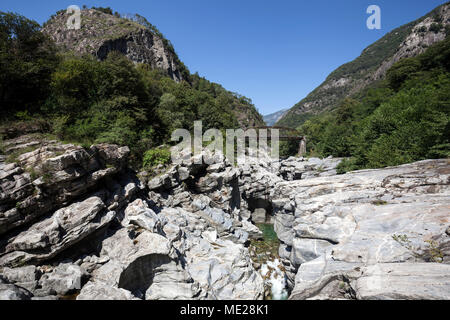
(76, 223)
(407, 41)
(101, 33)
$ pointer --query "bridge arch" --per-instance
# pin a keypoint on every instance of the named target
(295, 137)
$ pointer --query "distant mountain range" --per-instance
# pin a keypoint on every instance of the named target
(272, 118)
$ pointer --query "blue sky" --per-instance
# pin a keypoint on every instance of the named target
(274, 52)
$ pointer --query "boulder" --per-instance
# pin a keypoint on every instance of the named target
(26, 277)
(65, 278)
(103, 291)
(52, 235)
(13, 292)
(51, 177)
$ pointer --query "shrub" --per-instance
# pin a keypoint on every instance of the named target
(402, 71)
(23, 116)
(59, 125)
(436, 27)
(106, 10)
(154, 157)
(122, 131)
(347, 165)
(422, 29)
(2, 146)
(288, 148)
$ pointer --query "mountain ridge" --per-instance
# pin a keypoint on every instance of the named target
(272, 118)
(103, 32)
(406, 41)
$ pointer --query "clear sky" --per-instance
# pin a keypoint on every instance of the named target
(272, 51)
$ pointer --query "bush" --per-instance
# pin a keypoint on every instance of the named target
(74, 86)
(2, 147)
(122, 131)
(436, 27)
(347, 165)
(422, 29)
(106, 10)
(288, 148)
(154, 157)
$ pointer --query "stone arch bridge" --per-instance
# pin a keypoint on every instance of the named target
(290, 134)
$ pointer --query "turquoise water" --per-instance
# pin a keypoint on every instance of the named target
(268, 231)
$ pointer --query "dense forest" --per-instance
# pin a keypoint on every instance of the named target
(83, 100)
(404, 118)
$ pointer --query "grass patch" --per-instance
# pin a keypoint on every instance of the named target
(401, 238)
(379, 202)
(2, 145)
(14, 156)
(47, 174)
(435, 253)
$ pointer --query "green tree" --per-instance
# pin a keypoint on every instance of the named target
(27, 60)
(169, 113)
(74, 86)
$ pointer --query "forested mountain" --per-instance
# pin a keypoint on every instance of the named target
(115, 80)
(104, 31)
(371, 66)
(404, 119)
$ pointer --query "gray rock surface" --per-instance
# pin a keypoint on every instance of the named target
(102, 291)
(404, 281)
(25, 277)
(336, 225)
(50, 236)
(13, 292)
(64, 279)
(45, 179)
(76, 222)
(304, 168)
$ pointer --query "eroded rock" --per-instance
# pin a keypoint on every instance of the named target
(344, 223)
